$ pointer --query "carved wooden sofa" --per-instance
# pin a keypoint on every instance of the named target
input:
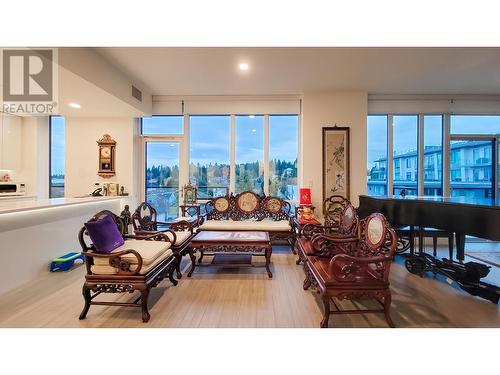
(248, 211)
(353, 267)
(180, 231)
(141, 263)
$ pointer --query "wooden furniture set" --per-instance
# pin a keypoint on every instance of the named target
(248, 211)
(345, 259)
(349, 260)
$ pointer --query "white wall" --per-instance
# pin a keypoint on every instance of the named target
(327, 109)
(35, 156)
(82, 157)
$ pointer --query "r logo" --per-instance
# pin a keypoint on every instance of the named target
(27, 75)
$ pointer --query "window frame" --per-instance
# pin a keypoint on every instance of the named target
(50, 158)
(446, 159)
(185, 146)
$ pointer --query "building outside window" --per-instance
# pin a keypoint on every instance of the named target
(57, 156)
(471, 156)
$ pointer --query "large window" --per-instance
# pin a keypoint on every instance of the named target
(377, 155)
(283, 148)
(471, 168)
(471, 155)
(405, 165)
(162, 178)
(209, 157)
(471, 160)
(163, 125)
(56, 165)
(249, 157)
(433, 155)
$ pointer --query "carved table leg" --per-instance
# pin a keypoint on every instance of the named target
(86, 297)
(193, 261)
(326, 312)
(144, 305)
(268, 253)
(307, 283)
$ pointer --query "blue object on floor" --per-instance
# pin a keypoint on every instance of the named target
(65, 262)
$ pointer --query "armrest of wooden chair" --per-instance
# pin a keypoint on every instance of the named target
(329, 245)
(346, 268)
(116, 261)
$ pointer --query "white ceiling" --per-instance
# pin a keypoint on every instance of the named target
(214, 71)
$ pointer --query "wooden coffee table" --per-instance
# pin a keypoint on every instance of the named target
(231, 242)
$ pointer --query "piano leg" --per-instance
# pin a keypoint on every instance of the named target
(460, 240)
(450, 246)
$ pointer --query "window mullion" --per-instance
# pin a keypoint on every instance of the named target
(420, 155)
(232, 154)
(390, 123)
(266, 154)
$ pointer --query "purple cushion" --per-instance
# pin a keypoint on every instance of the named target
(104, 234)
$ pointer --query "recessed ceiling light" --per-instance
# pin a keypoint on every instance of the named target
(252, 116)
(75, 105)
(254, 130)
(244, 66)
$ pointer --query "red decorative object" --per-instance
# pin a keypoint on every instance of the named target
(305, 197)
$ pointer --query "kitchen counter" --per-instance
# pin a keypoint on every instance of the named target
(34, 231)
(27, 204)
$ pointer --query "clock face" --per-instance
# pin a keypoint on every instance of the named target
(105, 152)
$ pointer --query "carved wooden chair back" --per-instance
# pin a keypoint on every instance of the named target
(145, 218)
(349, 221)
(247, 205)
(333, 207)
(377, 241)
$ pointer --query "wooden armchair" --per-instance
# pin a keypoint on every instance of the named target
(321, 240)
(145, 223)
(141, 263)
(332, 209)
(360, 273)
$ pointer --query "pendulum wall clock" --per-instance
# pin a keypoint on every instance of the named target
(107, 148)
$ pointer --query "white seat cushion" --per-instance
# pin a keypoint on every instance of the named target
(264, 225)
(180, 237)
(152, 252)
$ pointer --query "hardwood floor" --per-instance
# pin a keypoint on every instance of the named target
(242, 297)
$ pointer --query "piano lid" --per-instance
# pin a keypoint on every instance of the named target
(486, 202)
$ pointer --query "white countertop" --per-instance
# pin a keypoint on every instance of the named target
(18, 205)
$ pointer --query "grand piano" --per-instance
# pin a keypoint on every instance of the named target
(463, 216)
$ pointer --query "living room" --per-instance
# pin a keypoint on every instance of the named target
(253, 180)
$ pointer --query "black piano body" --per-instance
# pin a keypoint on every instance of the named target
(461, 215)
